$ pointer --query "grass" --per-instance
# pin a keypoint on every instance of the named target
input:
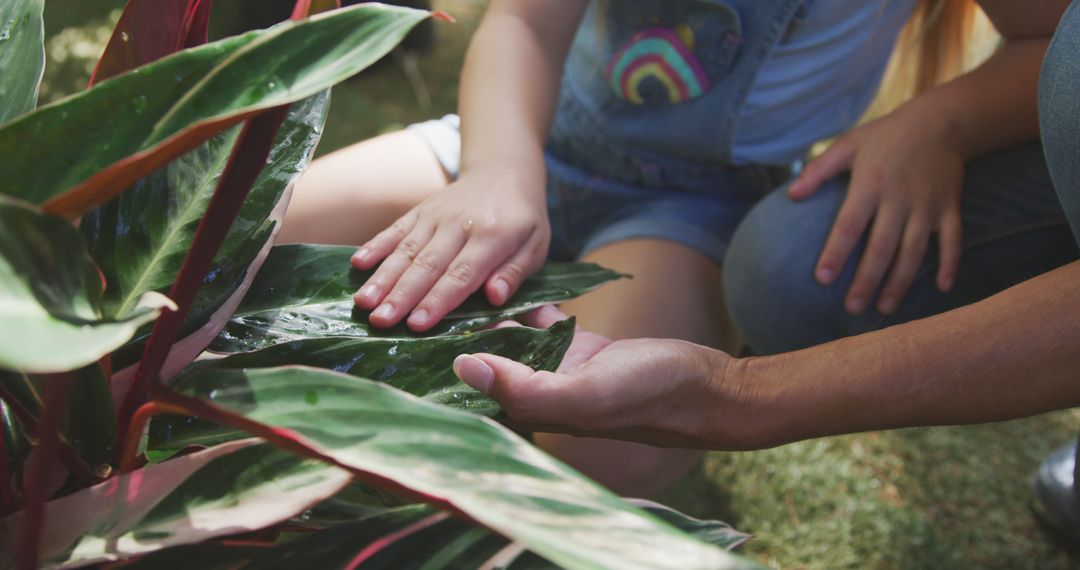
(941, 498)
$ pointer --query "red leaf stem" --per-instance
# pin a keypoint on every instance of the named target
(130, 450)
(383, 543)
(57, 392)
(246, 161)
(304, 8)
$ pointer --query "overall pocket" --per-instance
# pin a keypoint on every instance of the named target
(657, 53)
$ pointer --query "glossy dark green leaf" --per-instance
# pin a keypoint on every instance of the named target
(17, 445)
(140, 238)
(22, 56)
(234, 488)
(90, 426)
(160, 111)
(470, 462)
(421, 367)
(305, 291)
(50, 294)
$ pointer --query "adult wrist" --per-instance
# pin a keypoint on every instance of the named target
(743, 397)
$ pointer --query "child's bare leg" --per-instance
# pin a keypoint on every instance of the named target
(675, 293)
(348, 196)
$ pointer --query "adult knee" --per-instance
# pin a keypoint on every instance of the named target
(1059, 98)
(769, 283)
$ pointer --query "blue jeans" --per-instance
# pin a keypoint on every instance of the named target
(1017, 207)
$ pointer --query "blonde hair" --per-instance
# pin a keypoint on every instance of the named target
(942, 39)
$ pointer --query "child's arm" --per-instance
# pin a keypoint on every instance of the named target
(490, 228)
(907, 167)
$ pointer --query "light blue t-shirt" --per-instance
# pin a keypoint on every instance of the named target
(820, 77)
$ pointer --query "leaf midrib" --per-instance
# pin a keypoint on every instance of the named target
(134, 293)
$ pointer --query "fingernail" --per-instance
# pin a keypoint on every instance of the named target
(502, 291)
(361, 255)
(855, 305)
(418, 318)
(474, 372)
(825, 275)
(947, 283)
(369, 292)
(385, 311)
(887, 306)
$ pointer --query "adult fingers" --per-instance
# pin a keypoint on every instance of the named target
(877, 257)
(380, 246)
(505, 281)
(418, 276)
(909, 260)
(527, 395)
(837, 159)
(463, 276)
(950, 243)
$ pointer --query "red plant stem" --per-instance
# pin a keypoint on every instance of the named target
(79, 469)
(247, 160)
(383, 543)
(7, 493)
(132, 438)
(57, 392)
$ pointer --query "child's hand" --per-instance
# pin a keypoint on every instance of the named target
(488, 229)
(906, 176)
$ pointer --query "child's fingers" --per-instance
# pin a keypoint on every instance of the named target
(504, 282)
(416, 280)
(462, 277)
(837, 159)
(847, 230)
(877, 257)
(912, 251)
(384, 242)
(378, 285)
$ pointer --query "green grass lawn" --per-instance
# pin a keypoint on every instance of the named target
(938, 498)
(946, 497)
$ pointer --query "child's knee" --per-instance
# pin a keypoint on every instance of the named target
(769, 283)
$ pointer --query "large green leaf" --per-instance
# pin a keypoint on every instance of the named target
(305, 291)
(471, 463)
(140, 238)
(90, 425)
(230, 489)
(157, 112)
(22, 56)
(422, 367)
(50, 295)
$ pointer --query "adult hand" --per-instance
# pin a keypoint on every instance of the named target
(906, 175)
(487, 230)
(660, 392)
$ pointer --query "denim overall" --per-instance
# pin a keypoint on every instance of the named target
(641, 143)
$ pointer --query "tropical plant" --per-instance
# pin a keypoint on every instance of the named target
(136, 223)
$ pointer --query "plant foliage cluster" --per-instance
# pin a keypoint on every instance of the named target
(136, 228)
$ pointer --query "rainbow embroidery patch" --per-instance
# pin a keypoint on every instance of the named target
(657, 65)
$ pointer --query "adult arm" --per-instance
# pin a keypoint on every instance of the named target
(1012, 355)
